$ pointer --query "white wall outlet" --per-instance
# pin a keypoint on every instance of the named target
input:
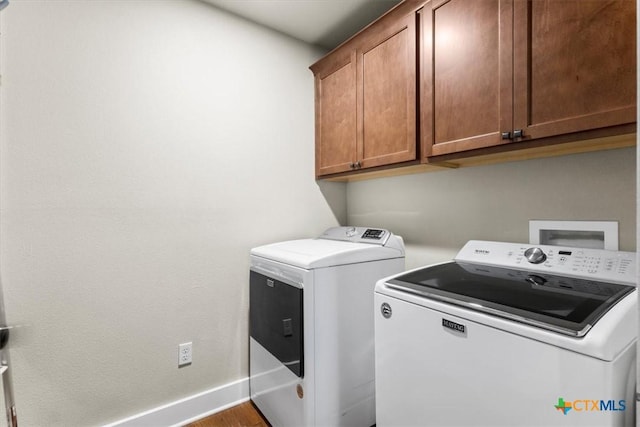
(185, 353)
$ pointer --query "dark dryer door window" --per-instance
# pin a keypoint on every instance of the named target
(276, 320)
(567, 305)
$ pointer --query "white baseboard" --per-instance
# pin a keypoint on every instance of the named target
(192, 408)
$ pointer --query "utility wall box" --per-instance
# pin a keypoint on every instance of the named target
(580, 234)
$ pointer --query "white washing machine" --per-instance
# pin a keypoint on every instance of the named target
(311, 326)
(509, 335)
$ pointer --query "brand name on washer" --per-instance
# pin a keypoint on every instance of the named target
(453, 326)
(482, 251)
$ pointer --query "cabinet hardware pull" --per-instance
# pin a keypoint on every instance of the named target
(352, 165)
(506, 135)
(358, 165)
(518, 133)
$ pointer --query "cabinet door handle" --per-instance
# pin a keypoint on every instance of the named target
(358, 165)
(518, 133)
(352, 165)
(506, 135)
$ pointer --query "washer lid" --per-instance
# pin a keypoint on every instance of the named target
(562, 304)
(318, 253)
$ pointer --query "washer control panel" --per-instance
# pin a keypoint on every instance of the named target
(599, 264)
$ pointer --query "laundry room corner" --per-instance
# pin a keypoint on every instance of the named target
(160, 194)
(335, 193)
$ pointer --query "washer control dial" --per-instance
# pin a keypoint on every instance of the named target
(535, 255)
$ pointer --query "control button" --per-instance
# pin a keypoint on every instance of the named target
(535, 255)
(351, 231)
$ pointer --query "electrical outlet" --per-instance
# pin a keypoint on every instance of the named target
(185, 353)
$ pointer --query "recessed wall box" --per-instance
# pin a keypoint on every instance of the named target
(582, 234)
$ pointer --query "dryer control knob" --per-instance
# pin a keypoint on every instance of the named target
(351, 231)
(535, 255)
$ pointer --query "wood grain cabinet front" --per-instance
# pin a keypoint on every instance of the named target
(365, 99)
(467, 87)
(574, 65)
(336, 121)
(386, 85)
(501, 71)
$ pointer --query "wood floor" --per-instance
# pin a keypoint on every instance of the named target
(243, 415)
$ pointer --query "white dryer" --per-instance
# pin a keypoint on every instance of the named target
(311, 326)
(509, 335)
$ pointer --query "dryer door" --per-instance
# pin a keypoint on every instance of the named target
(276, 320)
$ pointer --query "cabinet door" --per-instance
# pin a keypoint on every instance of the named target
(575, 65)
(467, 74)
(336, 115)
(387, 95)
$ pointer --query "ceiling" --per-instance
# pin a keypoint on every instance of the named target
(325, 23)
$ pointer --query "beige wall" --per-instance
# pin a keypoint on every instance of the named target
(146, 146)
(438, 212)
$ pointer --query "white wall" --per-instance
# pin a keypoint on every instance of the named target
(438, 212)
(146, 146)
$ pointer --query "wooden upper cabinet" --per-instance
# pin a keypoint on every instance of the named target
(467, 89)
(501, 71)
(335, 106)
(575, 65)
(366, 97)
(387, 95)
(486, 74)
